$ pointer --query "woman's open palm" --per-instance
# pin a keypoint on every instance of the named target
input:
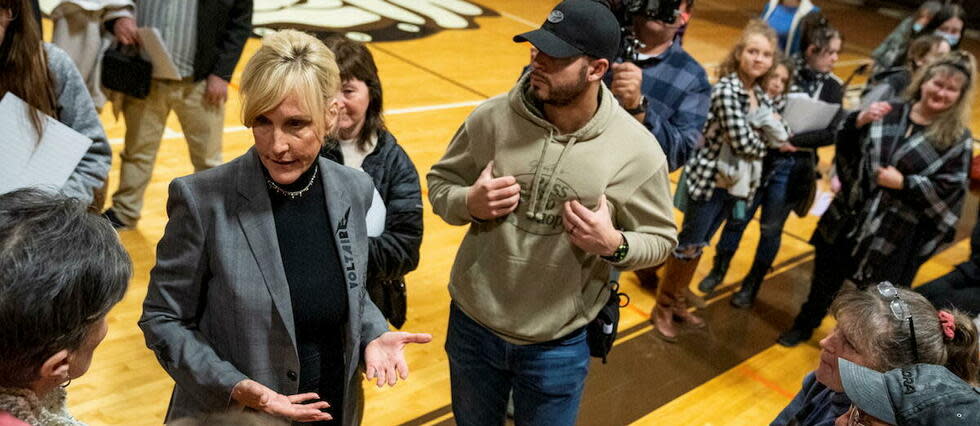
(384, 357)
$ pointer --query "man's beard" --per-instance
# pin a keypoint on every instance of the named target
(562, 95)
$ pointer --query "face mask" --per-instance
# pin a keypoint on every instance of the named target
(916, 27)
(950, 38)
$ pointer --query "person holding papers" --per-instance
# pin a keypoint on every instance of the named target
(204, 40)
(789, 171)
(902, 168)
(44, 77)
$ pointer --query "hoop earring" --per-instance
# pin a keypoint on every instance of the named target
(68, 382)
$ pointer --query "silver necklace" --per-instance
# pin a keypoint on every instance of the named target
(292, 195)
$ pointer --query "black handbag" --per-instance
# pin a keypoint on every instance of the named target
(390, 297)
(601, 332)
(125, 71)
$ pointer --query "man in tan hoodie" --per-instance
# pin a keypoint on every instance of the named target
(558, 184)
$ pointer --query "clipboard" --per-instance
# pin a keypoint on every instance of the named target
(28, 162)
(153, 50)
(804, 114)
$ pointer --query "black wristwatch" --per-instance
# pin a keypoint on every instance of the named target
(639, 109)
(621, 251)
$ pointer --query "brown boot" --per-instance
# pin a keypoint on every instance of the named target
(648, 277)
(670, 298)
(662, 318)
(682, 313)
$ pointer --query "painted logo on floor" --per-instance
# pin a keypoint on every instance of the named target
(368, 20)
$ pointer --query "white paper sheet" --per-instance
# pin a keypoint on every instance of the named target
(156, 52)
(28, 163)
(821, 203)
(804, 114)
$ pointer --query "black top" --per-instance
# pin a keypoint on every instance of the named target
(913, 126)
(317, 288)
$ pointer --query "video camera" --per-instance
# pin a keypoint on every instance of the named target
(665, 11)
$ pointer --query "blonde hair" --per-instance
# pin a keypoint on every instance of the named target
(291, 63)
(946, 129)
(754, 27)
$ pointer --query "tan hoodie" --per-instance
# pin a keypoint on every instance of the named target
(520, 275)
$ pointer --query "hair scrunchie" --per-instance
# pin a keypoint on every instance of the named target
(947, 322)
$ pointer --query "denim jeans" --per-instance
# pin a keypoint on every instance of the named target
(547, 378)
(703, 218)
(775, 210)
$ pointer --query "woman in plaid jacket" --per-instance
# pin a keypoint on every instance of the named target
(903, 171)
(735, 94)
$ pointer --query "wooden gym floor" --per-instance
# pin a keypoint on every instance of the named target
(730, 373)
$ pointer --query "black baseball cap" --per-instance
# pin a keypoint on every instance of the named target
(577, 27)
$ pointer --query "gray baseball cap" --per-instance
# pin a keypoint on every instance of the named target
(577, 27)
(920, 394)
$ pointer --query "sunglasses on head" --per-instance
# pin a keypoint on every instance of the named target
(900, 310)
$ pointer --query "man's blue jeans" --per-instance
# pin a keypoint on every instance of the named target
(547, 378)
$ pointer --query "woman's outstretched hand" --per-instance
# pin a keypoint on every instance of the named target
(257, 396)
(873, 112)
(384, 357)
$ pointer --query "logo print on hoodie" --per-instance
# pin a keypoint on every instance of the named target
(550, 206)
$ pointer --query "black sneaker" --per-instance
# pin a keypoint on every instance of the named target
(114, 220)
(794, 337)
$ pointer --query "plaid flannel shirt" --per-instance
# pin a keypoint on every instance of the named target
(727, 123)
(878, 219)
(678, 94)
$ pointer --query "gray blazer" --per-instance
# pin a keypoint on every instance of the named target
(217, 310)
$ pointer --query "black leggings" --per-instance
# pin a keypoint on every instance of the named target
(832, 264)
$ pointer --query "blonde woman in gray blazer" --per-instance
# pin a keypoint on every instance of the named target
(257, 299)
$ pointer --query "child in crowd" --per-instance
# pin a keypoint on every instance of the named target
(776, 84)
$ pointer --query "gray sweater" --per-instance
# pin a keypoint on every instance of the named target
(76, 110)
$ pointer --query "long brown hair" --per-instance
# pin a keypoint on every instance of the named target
(355, 61)
(754, 27)
(23, 64)
(946, 129)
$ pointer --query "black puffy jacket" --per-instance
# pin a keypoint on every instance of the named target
(395, 252)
